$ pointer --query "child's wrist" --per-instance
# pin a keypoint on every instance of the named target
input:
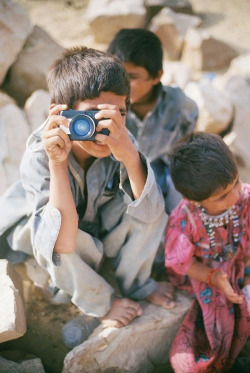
(211, 276)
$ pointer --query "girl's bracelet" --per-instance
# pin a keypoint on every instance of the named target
(247, 271)
(209, 276)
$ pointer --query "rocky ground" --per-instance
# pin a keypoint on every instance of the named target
(227, 20)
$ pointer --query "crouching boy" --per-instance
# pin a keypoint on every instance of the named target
(80, 201)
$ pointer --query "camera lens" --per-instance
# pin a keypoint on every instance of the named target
(82, 126)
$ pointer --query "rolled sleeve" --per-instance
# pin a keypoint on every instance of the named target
(179, 250)
(46, 227)
(150, 205)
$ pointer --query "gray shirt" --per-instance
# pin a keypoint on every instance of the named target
(173, 116)
(25, 208)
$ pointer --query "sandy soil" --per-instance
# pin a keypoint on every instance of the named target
(64, 20)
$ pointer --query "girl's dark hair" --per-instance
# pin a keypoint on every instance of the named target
(83, 73)
(140, 47)
(200, 164)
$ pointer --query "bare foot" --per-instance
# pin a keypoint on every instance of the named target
(122, 312)
(163, 295)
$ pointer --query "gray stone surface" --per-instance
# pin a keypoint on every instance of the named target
(215, 109)
(107, 17)
(12, 315)
(37, 108)
(14, 133)
(171, 28)
(13, 33)
(139, 347)
(203, 52)
(29, 72)
(27, 366)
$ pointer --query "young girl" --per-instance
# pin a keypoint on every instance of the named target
(208, 253)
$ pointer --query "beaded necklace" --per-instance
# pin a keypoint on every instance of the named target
(211, 222)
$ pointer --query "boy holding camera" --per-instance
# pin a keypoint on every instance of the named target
(159, 115)
(79, 201)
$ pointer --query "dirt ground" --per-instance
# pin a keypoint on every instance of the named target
(227, 20)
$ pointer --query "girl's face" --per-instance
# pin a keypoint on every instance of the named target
(223, 199)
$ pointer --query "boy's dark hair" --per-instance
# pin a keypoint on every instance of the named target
(83, 73)
(200, 164)
(140, 47)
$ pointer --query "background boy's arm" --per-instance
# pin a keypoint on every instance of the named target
(57, 146)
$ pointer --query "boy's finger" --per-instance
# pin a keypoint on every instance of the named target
(56, 109)
(55, 121)
(53, 142)
(56, 132)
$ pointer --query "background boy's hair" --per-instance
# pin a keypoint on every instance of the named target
(83, 73)
(200, 164)
(140, 47)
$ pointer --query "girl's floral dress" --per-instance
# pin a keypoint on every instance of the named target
(214, 330)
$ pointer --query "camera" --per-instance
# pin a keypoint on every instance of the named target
(82, 126)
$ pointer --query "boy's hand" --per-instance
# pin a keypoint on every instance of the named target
(118, 140)
(220, 280)
(56, 142)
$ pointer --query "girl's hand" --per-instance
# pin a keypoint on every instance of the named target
(55, 141)
(220, 280)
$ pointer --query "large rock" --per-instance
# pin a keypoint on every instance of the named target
(203, 52)
(139, 347)
(29, 72)
(5, 99)
(171, 28)
(176, 73)
(12, 315)
(237, 90)
(14, 133)
(27, 366)
(215, 110)
(37, 108)
(15, 27)
(155, 6)
(107, 17)
(240, 66)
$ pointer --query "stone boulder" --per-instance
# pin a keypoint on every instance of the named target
(155, 6)
(176, 73)
(37, 108)
(13, 34)
(139, 347)
(14, 133)
(215, 109)
(29, 72)
(240, 66)
(5, 99)
(237, 90)
(12, 315)
(107, 17)
(203, 52)
(27, 366)
(171, 28)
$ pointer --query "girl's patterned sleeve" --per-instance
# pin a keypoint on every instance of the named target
(248, 230)
(179, 250)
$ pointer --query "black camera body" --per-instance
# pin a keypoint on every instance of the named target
(83, 124)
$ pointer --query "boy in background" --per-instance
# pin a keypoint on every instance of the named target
(159, 115)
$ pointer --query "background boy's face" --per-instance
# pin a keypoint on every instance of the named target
(89, 149)
(141, 83)
(223, 199)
